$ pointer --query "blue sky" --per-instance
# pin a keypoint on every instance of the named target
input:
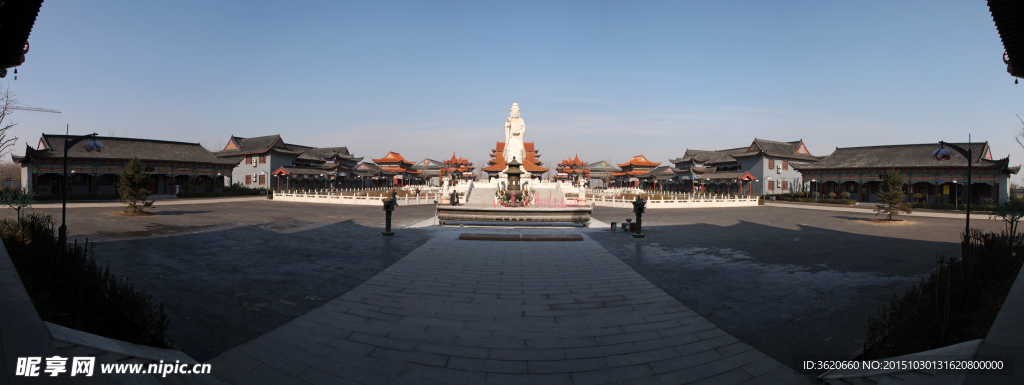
(607, 80)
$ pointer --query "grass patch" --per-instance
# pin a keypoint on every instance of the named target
(69, 289)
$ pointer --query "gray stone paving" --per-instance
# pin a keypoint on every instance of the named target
(227, 273)
(474, 312)
(787, 281)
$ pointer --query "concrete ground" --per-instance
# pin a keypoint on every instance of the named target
(781, 280)
(229, 272)
(785, 280)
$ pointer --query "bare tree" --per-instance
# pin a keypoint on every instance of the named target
(8, 100)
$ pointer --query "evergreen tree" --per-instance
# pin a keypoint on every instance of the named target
(132, 187)
(892, 195)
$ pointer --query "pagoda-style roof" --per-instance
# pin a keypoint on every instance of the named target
(392, 157)
(52, 146)
(639, 160)
(16, 20)
(1005, 14)
(903, 156)
(531, 164)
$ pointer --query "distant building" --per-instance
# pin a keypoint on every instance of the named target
(633, 170)
(857, 169)
(458, 168)
(173, 166)
(764, 167)
(601, 173)
(532, 164)
(269, 162)
(398, 169)
(430, 171)
(569, 170)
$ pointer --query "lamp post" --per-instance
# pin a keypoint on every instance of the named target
(812, 191)
(89, 147)
(943, 154)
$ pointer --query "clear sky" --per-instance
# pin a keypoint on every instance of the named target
(606, 80)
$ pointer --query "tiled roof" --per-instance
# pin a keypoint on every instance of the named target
(792, 150)
(639, 160)
(602, 166)
(903, 155)
(727, 175)
(392, 157)
(52, 146)
(300, 170)
(710, 157)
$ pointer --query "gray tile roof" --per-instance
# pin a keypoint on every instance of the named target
(602, 166)
(903, 155)
(758, 147)
(724, 175)
(126, 148)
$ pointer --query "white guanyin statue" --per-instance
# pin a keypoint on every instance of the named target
(515, 129)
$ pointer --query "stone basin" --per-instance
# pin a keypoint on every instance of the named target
(579, 215)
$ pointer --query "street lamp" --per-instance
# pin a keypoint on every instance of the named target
(91, 146)
(812, 191)
(956, 194)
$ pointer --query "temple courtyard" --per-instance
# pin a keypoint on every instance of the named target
(282, 292)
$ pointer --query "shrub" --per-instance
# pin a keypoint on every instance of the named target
(17, 199)
(68, 288)
(918, 197)
(845, 195)
(832, 195)
(848, 202)
(956, 302)
(815, 194)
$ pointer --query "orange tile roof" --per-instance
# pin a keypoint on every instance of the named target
(639, 160)
(392, 157)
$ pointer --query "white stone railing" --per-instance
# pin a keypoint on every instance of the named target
(692, 201)
(356, 197)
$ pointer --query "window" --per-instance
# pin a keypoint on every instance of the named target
(248, 159)
(771, 185)
(785, 184)
(771, 164)
(248, 179)
(785, 166)
(263, 179)
(263, 160)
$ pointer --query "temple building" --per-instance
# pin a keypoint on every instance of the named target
(857, 170)
(766, 166)
(458, 168)
(632, 171)
(532, 164)
(399, 169)
(269, 162)
(430, 171)
(173, 166)
(601, 173)
(570, 170)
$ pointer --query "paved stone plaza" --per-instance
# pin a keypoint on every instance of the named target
(785, 280)
(291, 291)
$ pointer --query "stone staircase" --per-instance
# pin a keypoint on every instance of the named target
(481, 192)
